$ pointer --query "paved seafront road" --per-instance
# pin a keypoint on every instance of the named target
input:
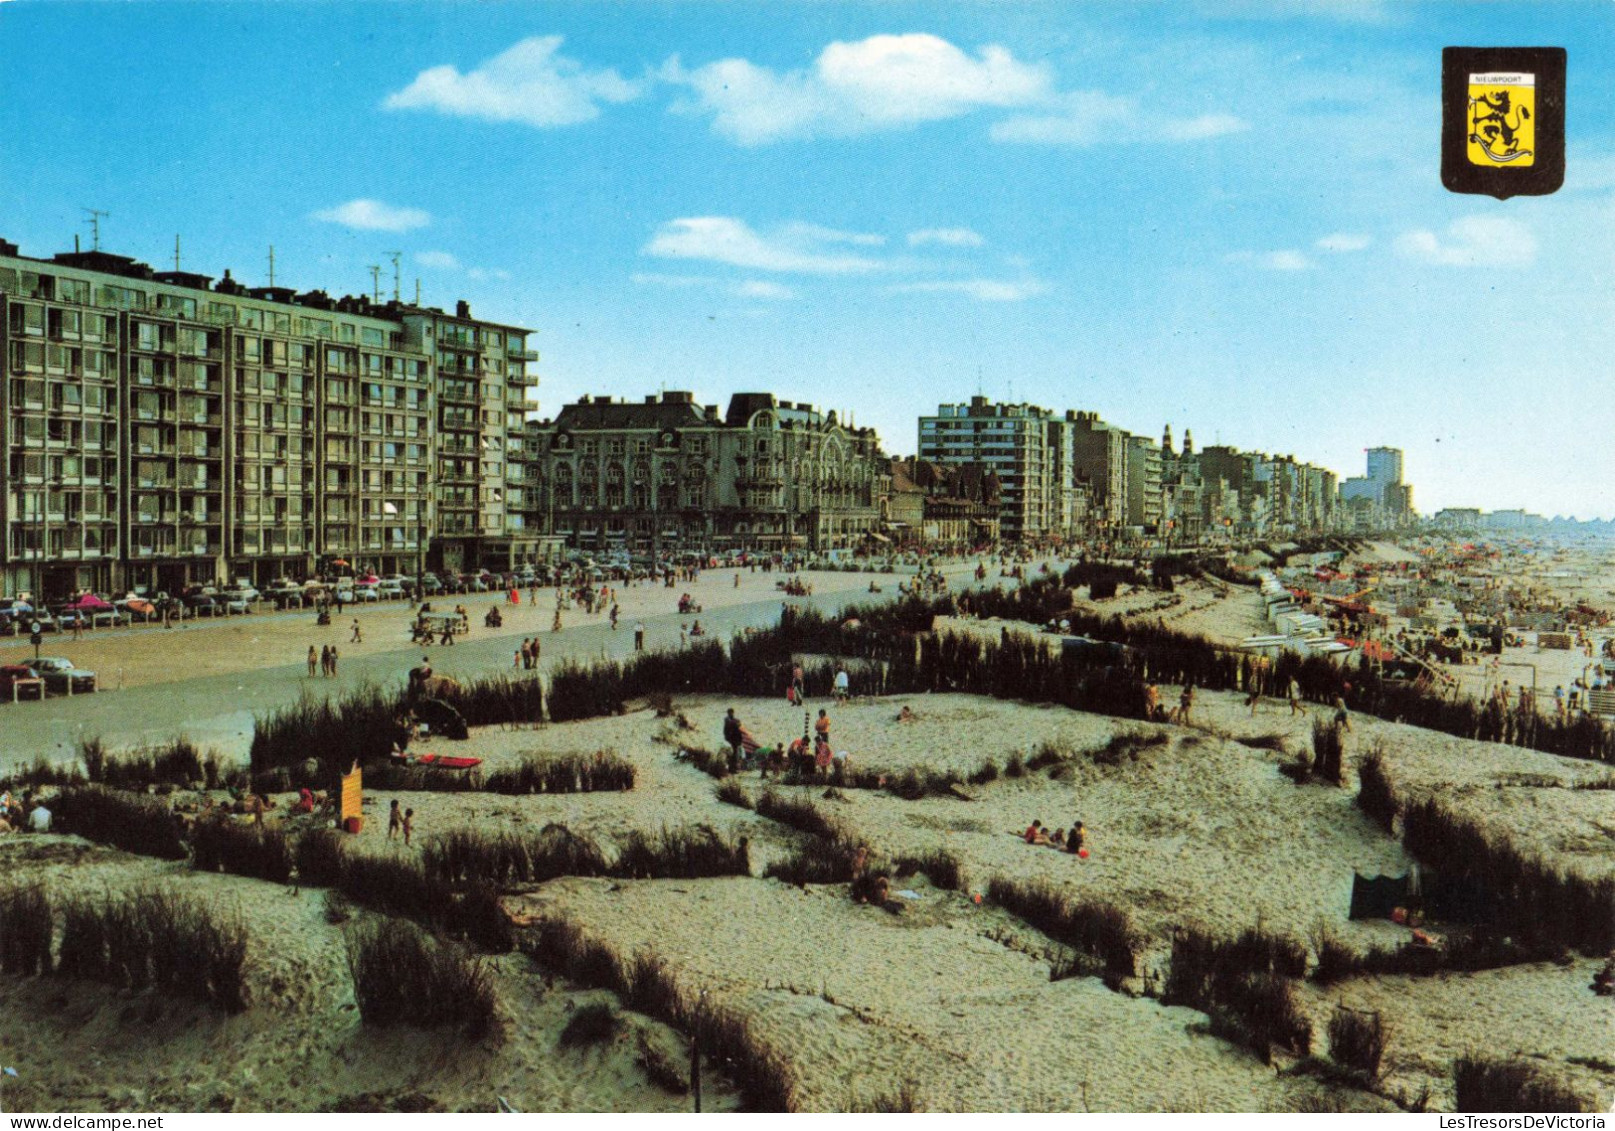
(217, 710)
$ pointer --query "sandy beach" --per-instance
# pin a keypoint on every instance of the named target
(950, 1001)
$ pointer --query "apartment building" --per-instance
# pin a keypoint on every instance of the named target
(1100, 458)
(162, 429)
(667, 474)
(1012, 440)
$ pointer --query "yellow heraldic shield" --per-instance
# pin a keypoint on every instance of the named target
(1502, 119)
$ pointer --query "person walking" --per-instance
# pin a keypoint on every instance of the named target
(395, 820)
(1342, 716)
(1296, 706)
(555, 626)
(733, 734)
(325, 660)
(313, 659)
(639, 637)
(409, 825)
(356, 638)
(821, 725)
(333, 661)
(615, 613)
(843, 685)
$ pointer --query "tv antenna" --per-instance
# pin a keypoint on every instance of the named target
(395, 256)
(375, 283)
(176, 252)
(271, 264)
(96, 215)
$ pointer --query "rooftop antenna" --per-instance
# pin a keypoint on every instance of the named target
(395, 256)
(176, 252)
(271, 264)
(375, 283)
(417, 290)
(978, 381)
(95, 226)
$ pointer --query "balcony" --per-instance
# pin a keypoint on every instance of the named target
(515, 354)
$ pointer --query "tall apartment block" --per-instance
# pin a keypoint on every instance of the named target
(1011, 439)
(162, 429)
(1100, 456)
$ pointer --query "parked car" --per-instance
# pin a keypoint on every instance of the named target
(18, 681)
(245, 588)
(288, 596)
(137, 609)
(59, 673)
(241, 593)
(232, 604)
(201, 605)
(363, 592)
(389, 590)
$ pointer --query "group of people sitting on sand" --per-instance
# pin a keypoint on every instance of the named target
(23, 814)
(1074, 842)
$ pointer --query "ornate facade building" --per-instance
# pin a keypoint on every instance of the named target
(668, 474)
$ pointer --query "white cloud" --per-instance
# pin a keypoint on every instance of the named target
(813, 233)
(1201, 127)
(883, 82)
(1344, 241)
(724, 239)
(1091, 117)
(1082, 117)
(1285, 259)
(531, 83)
(374, 216)
(1473, 241)
(982, 290)
(438, 260)
(946, 237)
(763, 288)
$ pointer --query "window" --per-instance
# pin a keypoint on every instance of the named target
(120, 298)
(178, 305)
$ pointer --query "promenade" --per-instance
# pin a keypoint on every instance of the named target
(208, 679)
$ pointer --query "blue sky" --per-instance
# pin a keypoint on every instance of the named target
(1228, 217)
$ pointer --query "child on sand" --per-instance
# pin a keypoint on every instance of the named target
(1076, 839)
(409, 825)
(395, 820)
